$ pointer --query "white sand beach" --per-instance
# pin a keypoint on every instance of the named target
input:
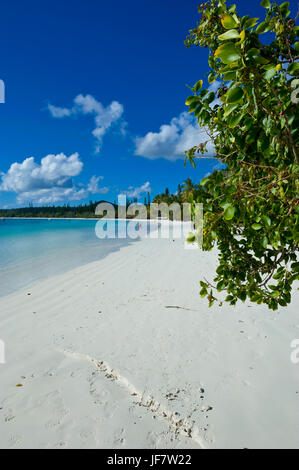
(104, 359)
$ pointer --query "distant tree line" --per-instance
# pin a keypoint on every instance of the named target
(186, 192)
(65, 211)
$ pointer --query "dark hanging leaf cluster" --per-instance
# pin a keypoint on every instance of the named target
(251, 212)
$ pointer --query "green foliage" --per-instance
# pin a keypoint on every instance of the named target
(251, 210)
(185, 193)
(66, 211)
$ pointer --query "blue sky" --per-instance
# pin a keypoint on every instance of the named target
(88, 87)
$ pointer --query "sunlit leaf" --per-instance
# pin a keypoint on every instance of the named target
(231, 34)
(228, 53)
(270, 73)
(266, 4)
(229, 212)
(228, 21)
(198, 86)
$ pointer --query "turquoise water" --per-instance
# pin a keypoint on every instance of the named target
(33, 249)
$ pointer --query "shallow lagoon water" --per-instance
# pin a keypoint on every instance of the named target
(35, 249)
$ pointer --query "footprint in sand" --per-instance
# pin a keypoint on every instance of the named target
(58, 420)
(59, 445)
(15, 441)
(119, 437)
(86, 434)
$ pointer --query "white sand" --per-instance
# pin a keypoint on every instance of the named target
(105, 364)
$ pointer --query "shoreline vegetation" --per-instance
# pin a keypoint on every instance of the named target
(187, 192)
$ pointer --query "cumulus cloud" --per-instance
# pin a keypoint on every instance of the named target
(54, 170)
(51, 181)
(171, 141)
(136, 192)
(104, 117)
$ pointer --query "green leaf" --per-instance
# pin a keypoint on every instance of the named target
(227, 77)
(229, 298)
(221, 285)
(234, 94)
(198, 110)
(190, 237)
(232, 8)
(293, 69)
(263, 28)
(296, 47)
(203, 93)
(198, 86)
(233, 121)
(256, 226)
(265, 242)
(228, 21)
(204, 181)
(270, 73)
(242, 296)
(212, 77)
(192, 106)
(253, 52)
(266, 220)
(266, 4)
(228, 53)
(242, 35)
(191, 99)
(231, 34)
(295, 267)
(229, 109)
(284, 8)
(229, 212)
(203, 292)
(210, 98)
(261, 60)
(250, 23)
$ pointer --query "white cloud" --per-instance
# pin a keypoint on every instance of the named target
(57, 112)
(104, 117)
(136, 192)
(51, 181)
(171, 141)
(52, 195)
(93, 186)
(54, 170)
